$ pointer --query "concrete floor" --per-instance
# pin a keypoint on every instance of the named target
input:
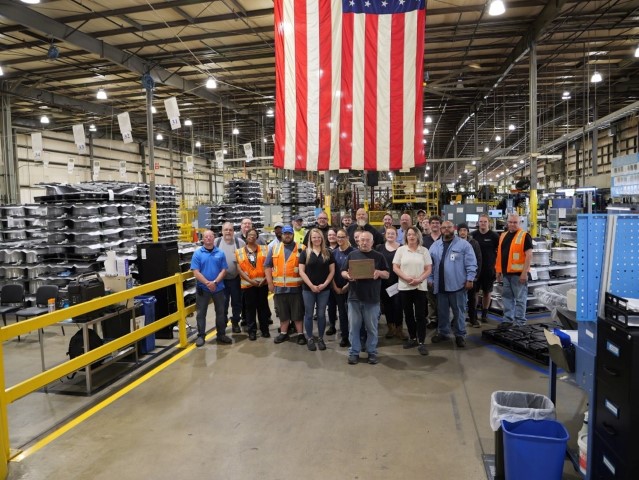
(260, 410)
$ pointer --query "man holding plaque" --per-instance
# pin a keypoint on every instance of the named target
(364, 269)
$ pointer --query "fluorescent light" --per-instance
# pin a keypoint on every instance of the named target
(198, 144)
(565, 95)
(92, 128)
(44, 119)
(429, 119)
(159, 137)
(596, 77)
(585, 189)
(211, 83)
(235, 131)
(188, 122)
(1, 72)
(496, 8)
(30, 2)
(511, 127)
(637, 53)
(101, 94)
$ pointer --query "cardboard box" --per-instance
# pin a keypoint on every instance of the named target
(119, 283)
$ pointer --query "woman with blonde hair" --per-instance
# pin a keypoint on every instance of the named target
(317, 268)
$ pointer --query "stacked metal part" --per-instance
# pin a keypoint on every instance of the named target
(242, 199)
(298, 199)
(167, 207)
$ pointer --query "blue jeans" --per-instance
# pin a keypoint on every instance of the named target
(233, 295)
(202, 299)
(311, 299)
(367, 314)
(455, 301)
(514, 296)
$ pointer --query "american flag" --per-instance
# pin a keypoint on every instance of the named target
(349, 84)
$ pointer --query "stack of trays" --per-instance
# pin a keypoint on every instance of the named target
(298, 199)
(242, 199)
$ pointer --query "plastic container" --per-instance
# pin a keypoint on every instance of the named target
(513, 407)
(582, 442)
(147, 344)
(534, 449)
(51, 305)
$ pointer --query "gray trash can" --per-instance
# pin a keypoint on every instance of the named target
(513, 407)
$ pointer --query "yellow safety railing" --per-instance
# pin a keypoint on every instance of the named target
(10, 394)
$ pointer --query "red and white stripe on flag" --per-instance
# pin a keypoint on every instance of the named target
(349, 84)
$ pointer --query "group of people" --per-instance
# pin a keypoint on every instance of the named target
(424, 276)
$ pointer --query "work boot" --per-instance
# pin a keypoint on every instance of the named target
(390, 333)
(399, 332)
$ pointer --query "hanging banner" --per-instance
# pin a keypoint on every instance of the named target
(172, 112)
(189, 164)
(219, 159)
(80, 139)
(125, 127)
(36, 145)
(248, 151)
(122, 168)
(70, 164)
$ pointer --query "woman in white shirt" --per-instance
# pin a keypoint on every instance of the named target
(412, 264)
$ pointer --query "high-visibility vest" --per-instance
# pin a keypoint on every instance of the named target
(286, 273)
(254, 272)
(516, 253)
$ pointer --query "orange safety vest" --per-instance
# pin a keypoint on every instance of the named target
(516, 254)
(254, 272)
(286, 273)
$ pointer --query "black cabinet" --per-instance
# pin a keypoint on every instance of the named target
(156, 261)
(615, 443)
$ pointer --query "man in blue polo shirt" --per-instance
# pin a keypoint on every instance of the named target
(209, 267)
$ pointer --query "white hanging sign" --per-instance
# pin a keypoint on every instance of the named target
(122, 168)
(189, 164)
(45, 160)
(125, 127)
(248, 151)
(96, 168)
(219, 159)
(273, 136)
(172, 112)
(70, 164)
(80, 139)
(36, 145)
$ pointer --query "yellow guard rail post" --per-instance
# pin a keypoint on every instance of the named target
(10, 394)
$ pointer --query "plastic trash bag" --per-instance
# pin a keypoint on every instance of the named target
(516, 406)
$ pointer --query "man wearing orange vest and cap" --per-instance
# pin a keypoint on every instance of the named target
(514, 255)
(282, 274)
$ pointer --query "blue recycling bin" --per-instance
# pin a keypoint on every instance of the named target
(534, 449)
(147, 344)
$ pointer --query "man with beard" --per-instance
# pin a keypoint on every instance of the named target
(488, 242)
(361, 224)
(298, 231)
(322, 225)
(227, 243)
(347, 221)
(364, 298)
(209, 267)
(453, 274)
(282, 274)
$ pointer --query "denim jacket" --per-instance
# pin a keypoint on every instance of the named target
(460, 264)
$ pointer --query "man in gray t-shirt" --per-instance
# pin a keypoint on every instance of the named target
(228, 243)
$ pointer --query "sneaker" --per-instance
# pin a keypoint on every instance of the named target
(410, 343)
(475, 323)
(224, 339)
(236, 328)
(199, 342)
(320, 344)
(301, 339)
(372, 359)
(505, 325)
(344, 342)
(460, 342)
(331, 330)
(266, 334)
(431, 325)
(252, 336)
(282, 337)
(310, 344)
(353, 359)
(422, 349)
(438, 338)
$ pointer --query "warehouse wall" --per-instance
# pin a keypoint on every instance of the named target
(59, 147)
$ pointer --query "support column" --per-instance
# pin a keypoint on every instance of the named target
(9, 191)
(595, 141)
(533, 138)
(151, 166)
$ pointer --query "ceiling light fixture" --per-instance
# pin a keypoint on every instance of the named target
(1, 72)
(498, 138)
(211, 83)
(159, 137)
(198, 144)
(44, 119)
(460, 83)
(637, 52)
(188, 122)
(225, 151)
(30, 2)
(496, 8)
(486, 149)
(596, 77)
(511, 127)
(92, 128)
(265, 140)
(474, 162)
(426, 131)
(235, 131)
(101, 94)
(154, 110)
(429, 119)
(270, 113)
